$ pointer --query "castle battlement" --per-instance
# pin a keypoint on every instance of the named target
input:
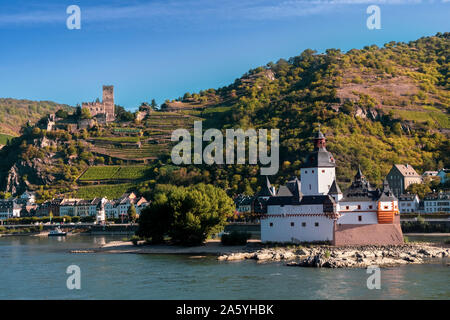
(106, 107)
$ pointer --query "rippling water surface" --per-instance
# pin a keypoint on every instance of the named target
(35, 268)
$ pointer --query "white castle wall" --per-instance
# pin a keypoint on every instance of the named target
(350, 212)
(317, 180)
(280, 229)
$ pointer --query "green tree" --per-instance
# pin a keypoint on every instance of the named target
(5, 195)
(420, 189)
(62, 114)
(188, 215)
(85, 113)
(132, 213)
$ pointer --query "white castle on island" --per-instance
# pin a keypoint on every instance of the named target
(315, 209)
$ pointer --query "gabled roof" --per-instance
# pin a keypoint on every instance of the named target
(284, 191)
(406, 170)
(294, 186)
(96, 201)
(387, 194)
(334, 189)
(407, 197)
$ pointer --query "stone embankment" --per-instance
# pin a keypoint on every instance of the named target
(345, 257)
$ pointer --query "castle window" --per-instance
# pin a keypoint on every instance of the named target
(303, 224)
(370, 207)
(306, 171)
(386, 207)
(359, 218)
(359, 206)
(313, 171)
(271, 224)
(316, 224)
(309, 187)
(323, 171)
(347, 208)
(292, 224)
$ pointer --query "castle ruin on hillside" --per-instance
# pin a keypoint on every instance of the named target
(104, 108)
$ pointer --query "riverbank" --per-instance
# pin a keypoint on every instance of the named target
(211, 247)
(347, 257)
(321, 256)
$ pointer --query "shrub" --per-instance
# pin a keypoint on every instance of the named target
(135, 240)
(235, 238)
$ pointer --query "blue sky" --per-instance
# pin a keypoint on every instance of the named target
(162, 49)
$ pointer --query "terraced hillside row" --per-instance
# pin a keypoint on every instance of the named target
(100, 173)
(151, 142)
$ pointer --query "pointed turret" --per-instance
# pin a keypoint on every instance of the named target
(334, 189)
(319, 140)
(320, 157)
(359, 175)
(386, 193)
(360, 188)
(267, 190)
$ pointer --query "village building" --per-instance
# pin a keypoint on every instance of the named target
(50, 206)
(408, 203)
(314, 209)
(28, 198)
(259, 205)
(429, 174)
(443, 174)
(115, 209)
(9, 209)
(243, 204)
(437, 202)
(400, 177)
(100, 208)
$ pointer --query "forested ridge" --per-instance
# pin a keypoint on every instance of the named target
(376, 106)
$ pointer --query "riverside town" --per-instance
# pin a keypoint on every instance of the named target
(209, 154)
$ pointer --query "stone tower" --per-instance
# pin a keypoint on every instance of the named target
(104, 109)
(108, 102)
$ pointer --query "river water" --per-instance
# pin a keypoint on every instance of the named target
(35, 268)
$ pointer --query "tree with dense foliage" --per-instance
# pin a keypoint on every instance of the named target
(187, 215)
(85, 113)
(61, 113)
(420, 189)
(123, 115)
(132, 213)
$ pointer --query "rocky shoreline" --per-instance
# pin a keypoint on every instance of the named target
(345, 257)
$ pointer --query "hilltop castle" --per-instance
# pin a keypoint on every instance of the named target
(105, 108)
(315, 209)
